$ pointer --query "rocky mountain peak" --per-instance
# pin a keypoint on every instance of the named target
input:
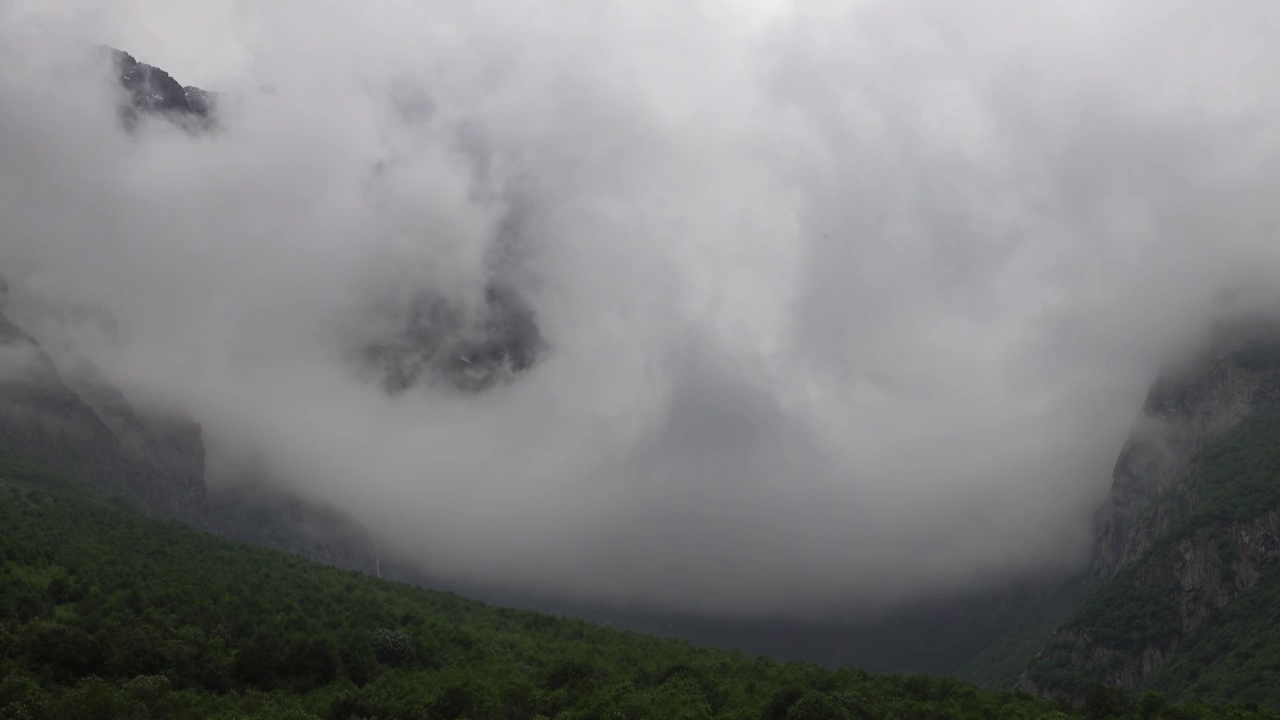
(153, 91)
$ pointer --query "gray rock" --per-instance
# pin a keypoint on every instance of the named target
(1185, 408)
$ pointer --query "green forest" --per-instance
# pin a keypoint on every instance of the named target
(107, 613)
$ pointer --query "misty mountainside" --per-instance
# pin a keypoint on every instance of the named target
(83, 427)
(77, 424)
(1185, 580)
(66, 415)
(410, 336)
(107, 613)
(72, 420)
(1174, 598)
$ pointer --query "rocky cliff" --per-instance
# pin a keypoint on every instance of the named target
(153, 91)
(1187, 407)
(1192, 526)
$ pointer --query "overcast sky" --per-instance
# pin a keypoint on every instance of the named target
(845, 302)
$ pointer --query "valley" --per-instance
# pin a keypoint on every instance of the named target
(153, 567)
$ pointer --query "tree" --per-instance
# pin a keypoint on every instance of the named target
(392, 647)
(1103, 702)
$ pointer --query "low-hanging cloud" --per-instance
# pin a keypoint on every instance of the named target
(843, 303)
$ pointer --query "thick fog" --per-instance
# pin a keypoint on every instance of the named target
(842, 303)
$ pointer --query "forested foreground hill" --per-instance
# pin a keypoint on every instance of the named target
(107, 613)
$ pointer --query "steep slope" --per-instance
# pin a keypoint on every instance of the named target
(106, 443)
(75, 422)
(107, 613)
(1186, 408)
(153, 91)
(259, 514)
(61, 412)
(1189, 546)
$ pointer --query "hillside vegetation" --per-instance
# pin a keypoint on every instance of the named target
(106, 613)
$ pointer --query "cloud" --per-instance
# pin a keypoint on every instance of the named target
(19, 360)
(844, 303)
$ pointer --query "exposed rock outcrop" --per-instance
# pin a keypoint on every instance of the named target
(429, 339)
(153, 91)
(1185, 587)
(1185, 408)
(1192, 525)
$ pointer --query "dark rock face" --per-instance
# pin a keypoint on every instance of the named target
(199, 102)
(153, 91)
(432, 340)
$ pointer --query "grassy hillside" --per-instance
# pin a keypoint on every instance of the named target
(106, 613)
(1203, 598)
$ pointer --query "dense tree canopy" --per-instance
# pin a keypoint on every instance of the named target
(106, 613)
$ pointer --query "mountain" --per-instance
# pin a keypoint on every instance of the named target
(106, 613)
(418, 335)
(77, 424)
(1177, 596)
(1185, 579)
(62, 413)
(153, 91)
(81, 425)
